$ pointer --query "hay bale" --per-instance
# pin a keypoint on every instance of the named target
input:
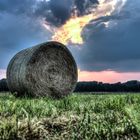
(47, 69)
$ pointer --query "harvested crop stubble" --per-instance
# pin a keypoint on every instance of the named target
(47, 69)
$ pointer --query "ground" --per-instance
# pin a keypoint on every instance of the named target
(77, 117)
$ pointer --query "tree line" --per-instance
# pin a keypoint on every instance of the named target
(130, 86)
(3, 85)
(94, 86)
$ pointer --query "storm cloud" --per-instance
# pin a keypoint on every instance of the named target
(57, 13)
(21, 23)
(19, 29)
(112, 43)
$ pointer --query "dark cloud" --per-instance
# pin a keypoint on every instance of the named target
(21, 23)
(82, 6)
(20, 28)
(57, 13)
(116, 47)
(17, 6)
(61, 9)
(17, 33)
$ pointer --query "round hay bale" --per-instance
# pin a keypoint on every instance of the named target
(47, 69)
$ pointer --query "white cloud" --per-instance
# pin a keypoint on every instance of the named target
(2, 73)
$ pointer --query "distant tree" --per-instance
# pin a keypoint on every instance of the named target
(3, 85)
(130, 86)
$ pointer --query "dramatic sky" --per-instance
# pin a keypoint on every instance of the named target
(111, 43)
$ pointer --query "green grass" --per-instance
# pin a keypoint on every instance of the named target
(77, 117)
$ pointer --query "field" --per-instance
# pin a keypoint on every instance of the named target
(78, 117)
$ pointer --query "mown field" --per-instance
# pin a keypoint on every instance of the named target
(77, 117)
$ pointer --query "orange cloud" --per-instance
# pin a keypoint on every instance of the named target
(107, 76)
